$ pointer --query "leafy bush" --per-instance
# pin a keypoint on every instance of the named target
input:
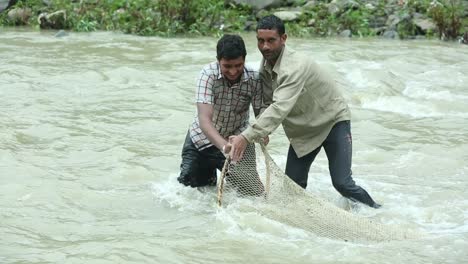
(143, 17)
(447, 16)
(214, 17)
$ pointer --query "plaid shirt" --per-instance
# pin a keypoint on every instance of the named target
(230, 103)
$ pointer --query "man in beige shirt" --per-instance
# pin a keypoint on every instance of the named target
(306, 101)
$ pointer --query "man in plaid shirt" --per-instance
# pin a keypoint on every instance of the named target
(225, 90)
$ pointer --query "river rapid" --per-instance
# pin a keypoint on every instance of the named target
(92, 125)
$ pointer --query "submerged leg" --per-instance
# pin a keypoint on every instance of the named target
(298, 168)
(338, 147)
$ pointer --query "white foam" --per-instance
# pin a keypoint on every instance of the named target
(406, 107)
(184, 198)
(422, 90)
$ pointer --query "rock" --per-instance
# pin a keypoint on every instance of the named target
(377, 22)
(55, 20)
(262, 13)
(425, 24)
(310, 4)
(390, 34)
(288, 15)
(19, 16)
(346, 33)
(418, 15)
(347, 4)
(250, 25)
(61, 34)
(5, 4)
(333, 9)
(369, 6)
(339, 6)
(464, 39)
(392, 21)
(256, 4)
(311, 22)
(379, 31)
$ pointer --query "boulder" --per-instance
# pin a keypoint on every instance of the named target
(4, 4)
(61, 33)
(288, 15)
(425, 24)
(346, 33)
(256, 4)
(55, 20)
(390, 34)
(310, 4)
(370, 6)
(19, 16)
(339, 6)
(392, 21)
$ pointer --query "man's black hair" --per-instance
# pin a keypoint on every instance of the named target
(271, 22)
(230, 47)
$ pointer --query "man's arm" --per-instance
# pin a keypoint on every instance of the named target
(205, 116)
(258, 104)
(285, 96)
(284, 99)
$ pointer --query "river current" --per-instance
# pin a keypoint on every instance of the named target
(92, 125)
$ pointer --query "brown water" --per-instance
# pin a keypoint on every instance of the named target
(91, 127)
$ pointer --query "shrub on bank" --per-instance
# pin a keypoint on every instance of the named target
(406, 18)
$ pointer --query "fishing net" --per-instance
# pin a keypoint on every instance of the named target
(281, 199)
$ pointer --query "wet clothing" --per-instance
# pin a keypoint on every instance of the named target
(231, 103)
(314, 114)
(304, 99)
(338, 148)
(198, 167)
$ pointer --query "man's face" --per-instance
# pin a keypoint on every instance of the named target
(270, 43)
(232, 69)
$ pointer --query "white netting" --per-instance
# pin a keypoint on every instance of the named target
(282, 200)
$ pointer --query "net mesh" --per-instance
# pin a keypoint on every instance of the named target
(281, 199)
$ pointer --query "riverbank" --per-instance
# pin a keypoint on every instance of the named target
(403, 19)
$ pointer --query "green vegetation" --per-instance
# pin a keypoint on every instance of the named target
(214, 17)
(447, 16)
(141, 17)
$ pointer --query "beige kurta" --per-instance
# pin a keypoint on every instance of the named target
(303, 98)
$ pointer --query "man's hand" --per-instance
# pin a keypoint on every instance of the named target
(238, 146)
(226, 149)
(266, 140)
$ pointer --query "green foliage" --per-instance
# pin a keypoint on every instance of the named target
(143, 17)
(86, 25)
(448, 18)
(318, 21)
(214, 17)
(357, 21)
(406, 29)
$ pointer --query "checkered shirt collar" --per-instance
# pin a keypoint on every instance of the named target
(245, 75)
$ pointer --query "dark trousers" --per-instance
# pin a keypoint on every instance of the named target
(338, 147)
(198, 167)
